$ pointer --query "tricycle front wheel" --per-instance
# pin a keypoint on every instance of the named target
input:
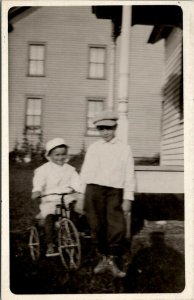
(69, 244)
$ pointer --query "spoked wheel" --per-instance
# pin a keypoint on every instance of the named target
(34, 243)
(69, 244)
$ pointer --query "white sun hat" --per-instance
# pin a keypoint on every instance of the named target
(53, 144)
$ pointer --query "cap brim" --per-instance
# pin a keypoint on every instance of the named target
(105, 123)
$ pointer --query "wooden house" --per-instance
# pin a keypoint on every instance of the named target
(59, 77)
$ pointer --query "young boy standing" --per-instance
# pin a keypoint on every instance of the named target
(55, 176)
(108, 172)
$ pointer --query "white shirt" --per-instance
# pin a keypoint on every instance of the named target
(52, 178)
(110, 164)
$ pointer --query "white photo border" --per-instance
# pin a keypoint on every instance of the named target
(188, 50)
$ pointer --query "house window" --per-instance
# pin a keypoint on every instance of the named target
(94, 106)
(97, 56)
(33, 116)
(36, 60)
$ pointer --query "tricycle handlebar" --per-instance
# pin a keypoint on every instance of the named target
(58, 194)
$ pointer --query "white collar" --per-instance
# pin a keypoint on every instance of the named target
(113, 141)
(57, 166)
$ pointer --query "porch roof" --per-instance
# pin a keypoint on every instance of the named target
(169, 15)
(162, 17)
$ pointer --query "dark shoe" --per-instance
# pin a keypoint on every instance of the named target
(51, 251)
(112, 267)
(101, 266)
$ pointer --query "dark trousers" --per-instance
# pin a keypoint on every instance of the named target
(105, 217)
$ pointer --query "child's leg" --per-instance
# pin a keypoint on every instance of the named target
(116, 231)
(95, 207)
(49, 228)
(116, 221)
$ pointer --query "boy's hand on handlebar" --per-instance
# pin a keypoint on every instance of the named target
(35, 195)
(67, 190)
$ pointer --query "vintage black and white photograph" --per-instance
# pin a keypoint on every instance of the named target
(96, 149)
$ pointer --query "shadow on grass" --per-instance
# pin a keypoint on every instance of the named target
(156, 269)
(155, 207)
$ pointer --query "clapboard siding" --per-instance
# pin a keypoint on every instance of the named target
(177, 52)
(175, 139)
(177, 145)
(174, 128)
(172, 146)
(173, 104)
(173, 134)
(176, 150)
(167, 120)
(170, 114)
(65, 87)
(173, 41)
(173, 162)
(174, 157)
(170, 124)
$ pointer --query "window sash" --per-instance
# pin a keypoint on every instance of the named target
(36, 60)
(33, 115)
(97, 62)
(94, 106)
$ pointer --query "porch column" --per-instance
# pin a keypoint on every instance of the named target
(111, 77)
(123, 88)
(111, 88)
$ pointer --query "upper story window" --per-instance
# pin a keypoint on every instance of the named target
(94, 106)
(36, 59)
(33, 115)
(97, 60)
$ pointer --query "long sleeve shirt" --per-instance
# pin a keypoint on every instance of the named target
(52, 178)
(110, 164)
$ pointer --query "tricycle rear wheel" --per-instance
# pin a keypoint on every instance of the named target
(34, 243)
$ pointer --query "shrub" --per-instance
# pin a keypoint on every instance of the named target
(27, 153)
(77, 160)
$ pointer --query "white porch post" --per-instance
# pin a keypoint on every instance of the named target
(123, 90)
(111, 77)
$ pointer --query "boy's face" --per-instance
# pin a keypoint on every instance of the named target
(107, 132)
(58, 156)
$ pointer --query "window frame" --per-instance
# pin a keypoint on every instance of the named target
(44, 61)
(100, 46)
(26, 108)
(94, 132)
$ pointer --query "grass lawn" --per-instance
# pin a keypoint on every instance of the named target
(154, 261)
(22, 209)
